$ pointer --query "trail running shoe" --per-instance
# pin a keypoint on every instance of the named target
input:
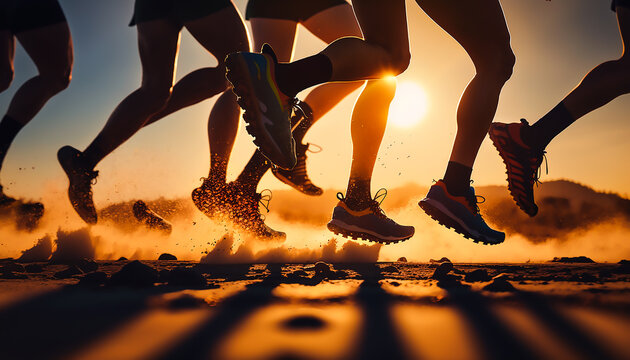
(522, 163)
(297, 178)
(211, 199)
(5, 200)
(460, 213)
(245, 210)
(150, 218)
(81, 179)
(267, 109)
(369, 224)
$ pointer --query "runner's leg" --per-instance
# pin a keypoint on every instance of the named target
(480, 28)
(158, 43)
(224, 117)
(604, 83)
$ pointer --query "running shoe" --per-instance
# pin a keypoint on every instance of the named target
(81, 180)
(150, 218)
(460, 213)
(245, 211)
(211, 199)
(522, 163)
(267, 109)
(297, 178)
(5, 200)
(369, 224)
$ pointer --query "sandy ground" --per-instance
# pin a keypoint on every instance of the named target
(306, 311)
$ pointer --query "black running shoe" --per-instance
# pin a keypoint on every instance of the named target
(211, 199)
(460, 213)
(5, 200)
(81, 180)
(522, 163)
(298, 178)
(245, 206)
(369, 224)
(150, 218)
(267, 109)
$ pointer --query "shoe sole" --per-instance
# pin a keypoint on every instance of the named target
(150, 218)
(67, 168)
(338, 228)
(238, 75)
(294, 185)
(498, 137)
(444, 218)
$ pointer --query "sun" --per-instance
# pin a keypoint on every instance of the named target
(409, 106)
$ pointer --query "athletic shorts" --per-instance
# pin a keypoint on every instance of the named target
(615, 3)
(21, 15)
(294, 10)
(179, 11)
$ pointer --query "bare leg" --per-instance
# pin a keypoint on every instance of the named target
(600, 86)
(224, 117)
(51, 50)
(480, 28)
(158, 42)
(369, 120)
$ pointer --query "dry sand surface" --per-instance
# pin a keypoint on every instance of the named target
(172, 309)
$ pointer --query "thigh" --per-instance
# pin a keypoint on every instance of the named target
(278, 33)
(333, 23)
(384, 23)
(220, 33)
(50, 47)
(479, 26)
(158, 43)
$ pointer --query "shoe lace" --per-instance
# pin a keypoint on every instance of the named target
(264, 198)
(92, 176)
(301, 111)
(474, 202)
(538, 173)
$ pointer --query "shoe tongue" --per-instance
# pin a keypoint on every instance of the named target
(266, 49)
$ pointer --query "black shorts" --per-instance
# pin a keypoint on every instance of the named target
(179, 11)
(615, 3)
(294, 10)
(22, 15)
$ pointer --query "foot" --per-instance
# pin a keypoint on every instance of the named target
(245, 210)
(211, 199)
(5, 200)
(460, 213)
(297, 178)
(369, 223)
(81, 179)
(267, 109)
(151, 219)
(522, 163)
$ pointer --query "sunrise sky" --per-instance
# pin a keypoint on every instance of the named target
(556, 44)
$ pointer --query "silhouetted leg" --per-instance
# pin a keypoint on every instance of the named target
(50, 48)
(369, 120)
(604, 83)
(481, 30)
(328, 25)
(158, 42)
(383, 51)
(221, 33)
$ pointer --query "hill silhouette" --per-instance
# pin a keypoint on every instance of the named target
(565, 207)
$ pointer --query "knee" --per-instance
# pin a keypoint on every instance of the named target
(5, 79)
(400, 62)
(156, 95)
(498, 64)
(58, 80)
